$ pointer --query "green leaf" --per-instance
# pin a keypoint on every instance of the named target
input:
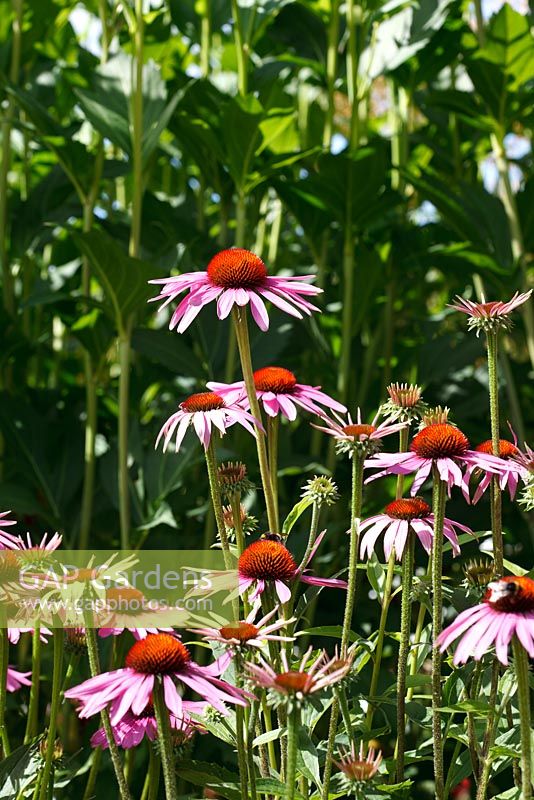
(170, 350)
(478, 707)
(18, 770)
(307, 758)
(240, 133)
(295, 513)
(124, 279)
(202, 772)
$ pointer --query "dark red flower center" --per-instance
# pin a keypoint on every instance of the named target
(125, 599)
(237, 269)
(293, 681)
(506, 448)
(408, 508)
(488, 307)
(267, 560)
(440, 440)
(274, 379)
(243, 631)
(158, 654)
(359, 430)
(203, 401)
(511, 594)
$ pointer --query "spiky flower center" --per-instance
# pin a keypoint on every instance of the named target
(237, 269)
(487, 308)
(125, 599)
(203, 401)
(359, 430)
(158, 654)
(359, 770)
(440, 440)
(242, 631)
(267, 560)
(293, 681)
(408, 508)
(274, 379)
(403, 395)
(232, 473)
(511, 594)
(506, 448)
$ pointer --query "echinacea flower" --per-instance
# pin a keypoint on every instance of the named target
(16, 679)
(268, 562)
(127, 609)
(233, 479)
(9, 541)
(303, 681)
(351, 435)
(279, 392)
(235, 277)
(132, 729)
(405, 403)
(356, 767)
(248, 632)
(506, 610)
(5, 522)
(510, 474)
(204, 411)
(395, 523)
(491, 316)
(158, 656)
(441, 445)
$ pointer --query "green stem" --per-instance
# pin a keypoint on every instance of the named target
(348, 298)
(137, 132)
(404, 650)
(55, 703)
(89, 792)
(235, 504)
(439, 500)
(331, 71)
(241, 329)
(240, 50)
(273, 425)
(496, 504)
(293, 722)
(241, 749)
(268, 727)
(419, 625)
(124, 403)
(164, 738)
(7, 124)
(94, 666)
(355, 513)
(314, 527)
(523, 696)
(89, 453)
(33, 706)
(377, 663)
(154, 769)
(205, 37)
(4, 662)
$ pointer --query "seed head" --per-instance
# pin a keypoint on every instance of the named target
(321, 489)
(233, 480)
(405, 403)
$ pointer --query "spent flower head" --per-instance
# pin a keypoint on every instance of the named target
(357, 768)
(233, 479)
(405, 403)
(478, 573)
(491, 316)
(320, 490)
(248, 522)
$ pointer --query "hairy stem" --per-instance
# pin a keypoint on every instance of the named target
(55, 703)
(404, 650)
(496, 504)
(293, 721)
(4, 661)
(439, 499)
(521, 664)
(33, 706)
(164, 737)
(243, 343)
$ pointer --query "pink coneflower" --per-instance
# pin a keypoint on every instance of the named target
(279, 392)
(395, 523)
(205, 411)
(441, 445)
(356, 767)
(9, 541)
(269, 562)
(350, 434)
(5, 523)
(304, 680)
(130, 689)
(510, 474)
(248, 632)
(507, 610)
(126, 605)
(14, 634)
(16, 679)
(491, 316)
(132, 729)
(235, 277)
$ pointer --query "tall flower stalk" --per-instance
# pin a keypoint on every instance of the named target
(404, 650)
(164, 737)
(55, 702)
(243, 343)
(438, 507)
(496, 500)
(4, 659)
